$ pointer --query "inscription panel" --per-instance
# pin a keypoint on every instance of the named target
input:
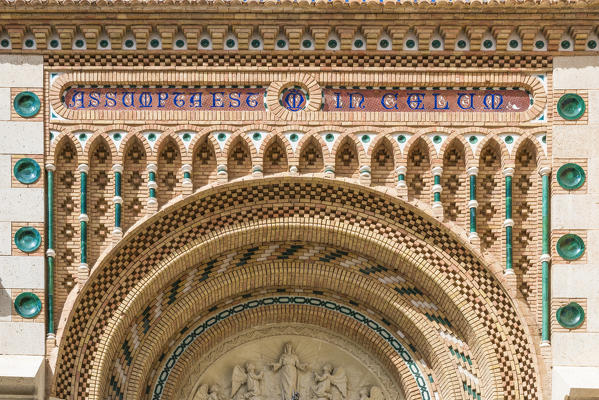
(426, 100)
(167, 99)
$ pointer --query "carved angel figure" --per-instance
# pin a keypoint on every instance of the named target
(204, 392)
(289, 364)
(327, 381)
(250, 377)
(375, 393)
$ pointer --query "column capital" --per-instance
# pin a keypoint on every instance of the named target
(544, 171)
(83, 168)
(472, 171)
(50, 167)
(437, 170)
(509, 171)
(186, 168)
(152, 167)
(117, 168)
(402, 169)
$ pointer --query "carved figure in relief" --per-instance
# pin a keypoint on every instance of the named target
(327, 381)
(289, 365)
(213, 392)
(375, 393)
(250, 377)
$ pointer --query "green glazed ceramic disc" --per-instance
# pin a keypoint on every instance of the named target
(570, 247)
(570, 106)
(28, 239)
(28, 305)
(570, 176)
(570, 316)
(27, 104)
(27, 171)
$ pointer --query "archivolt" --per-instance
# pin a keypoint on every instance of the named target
(386, 229)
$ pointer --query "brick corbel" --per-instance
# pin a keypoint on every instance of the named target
(269, 34)
(294, 34)
(42, 34)
(243, 34)
(502, 33)
(346, 34)
(115, 33)
(528, 34)
(372, 34)
(553, 35)
(167, 33)
(320, 34)
(141, 33)
(580, 35)
(91, 33)
(450, 35)
(217, 34)
(398, 34)
(16, 35)
(424, 36)
(192, 34)
(475, 33)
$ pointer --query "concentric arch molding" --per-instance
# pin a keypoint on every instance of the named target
(390, 226)
(314, 82)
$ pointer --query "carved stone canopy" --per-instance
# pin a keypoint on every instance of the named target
(288, 362)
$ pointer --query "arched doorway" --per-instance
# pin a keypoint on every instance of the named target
(321, 255)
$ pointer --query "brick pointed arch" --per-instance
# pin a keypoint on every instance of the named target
(395, 235)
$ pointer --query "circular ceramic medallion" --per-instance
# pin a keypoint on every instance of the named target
(294, 98)
(28, 239)
(27, 104)
(28, 305)
(570, 176)
(570, 106)
(27, 171)
(570, 316)
(570, 246)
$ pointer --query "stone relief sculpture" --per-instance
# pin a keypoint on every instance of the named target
(206, 393)
(327, 382)
(288, 364)
(251, 378)
(374, 393)
(295, 368)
